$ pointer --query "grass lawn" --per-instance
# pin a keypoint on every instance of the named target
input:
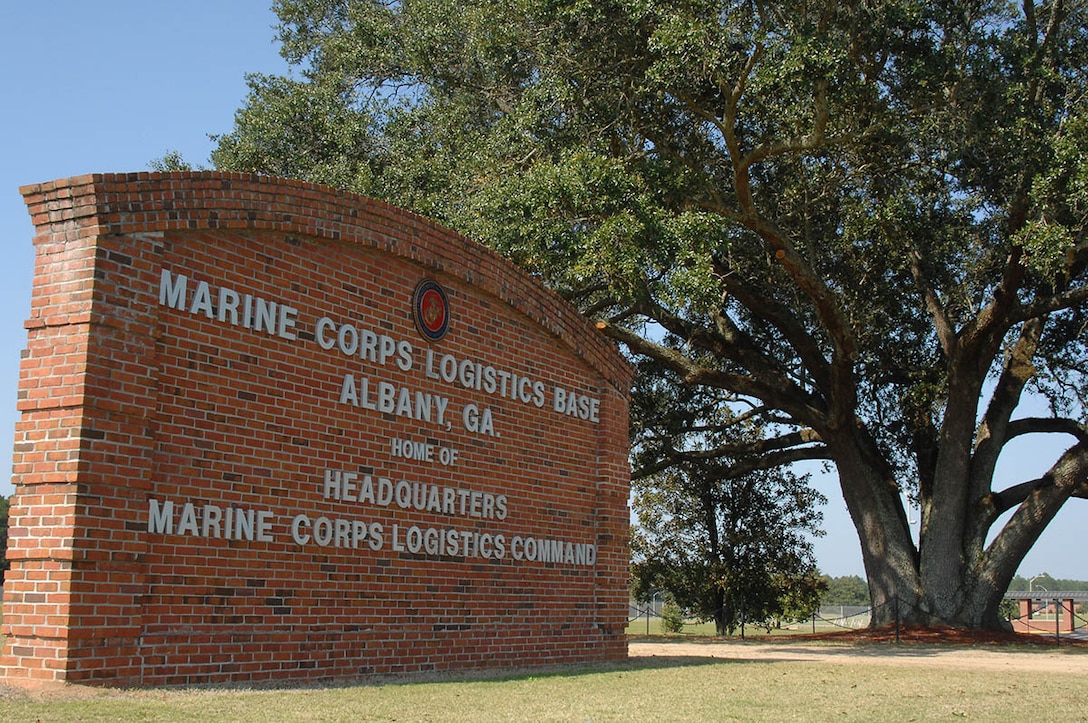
(669, 688)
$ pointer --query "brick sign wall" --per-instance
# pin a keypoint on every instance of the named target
(273, 431)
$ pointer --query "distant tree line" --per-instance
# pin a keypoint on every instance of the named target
(1046, 583)
(847, 590)
(853, 590)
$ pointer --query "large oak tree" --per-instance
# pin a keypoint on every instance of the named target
(862, 222)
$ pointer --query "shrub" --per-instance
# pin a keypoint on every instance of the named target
(672, 617)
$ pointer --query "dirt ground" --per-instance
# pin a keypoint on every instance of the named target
(921, 647)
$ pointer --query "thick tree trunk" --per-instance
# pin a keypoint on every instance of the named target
(888, 552)
(912, 587)
(898, 589)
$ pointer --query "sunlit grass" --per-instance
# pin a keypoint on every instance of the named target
(668, 687)
(665, 688)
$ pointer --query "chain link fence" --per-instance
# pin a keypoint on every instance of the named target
(1052, 617)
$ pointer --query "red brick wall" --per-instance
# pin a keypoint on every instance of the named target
(151, 417)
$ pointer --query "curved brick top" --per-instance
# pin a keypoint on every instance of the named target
(147, 202)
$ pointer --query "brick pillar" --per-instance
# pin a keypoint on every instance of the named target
(613, 523)
(82, 448)
(1068, 616)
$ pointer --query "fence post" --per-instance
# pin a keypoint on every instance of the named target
(1057, 620)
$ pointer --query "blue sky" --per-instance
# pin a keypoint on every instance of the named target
(109, 85)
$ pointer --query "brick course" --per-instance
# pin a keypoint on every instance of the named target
(131, 408)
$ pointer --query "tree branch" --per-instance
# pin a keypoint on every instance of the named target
(841, 388)
(993, 431)
(1050, 304)
(749, 458)
(768, 309)
(797, 404)
(1049, 425)
(946, 332)
(810, 142)
(1014, 495)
